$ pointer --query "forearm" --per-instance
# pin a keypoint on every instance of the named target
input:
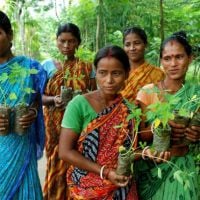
(75, 158)
(48, 100)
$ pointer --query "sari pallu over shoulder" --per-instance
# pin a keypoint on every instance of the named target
(100, 142)
(18, 154)
(139, 77)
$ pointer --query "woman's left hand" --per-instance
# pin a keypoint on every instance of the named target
(26, 120)
(193, 133)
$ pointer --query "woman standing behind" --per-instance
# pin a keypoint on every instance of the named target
(142, 73)
(89, 139)
(176, 55)
(79, 77)
(19, 151)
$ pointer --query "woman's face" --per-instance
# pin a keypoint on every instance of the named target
(5, 42)
(67, 44)
(110, 75)
(175, 60)
(134, 46)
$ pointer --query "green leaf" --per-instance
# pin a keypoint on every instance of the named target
(177, 176)
(3, 77)
(159, 173)
(33, 71)
(12, 96)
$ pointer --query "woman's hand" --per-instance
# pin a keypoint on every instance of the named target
(26, 120)
(58, 102)
(3, 122)
(118, 180)
(193, 133)
(157, 157)
(178, 131)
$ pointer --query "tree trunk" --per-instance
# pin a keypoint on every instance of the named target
(100, 27)
(161, 21)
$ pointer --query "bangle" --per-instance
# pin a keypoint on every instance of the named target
(34, 110)
(55, 97)
(101, 171)
(143, 156)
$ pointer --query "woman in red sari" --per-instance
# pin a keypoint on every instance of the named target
(89, 139)
(73, 73)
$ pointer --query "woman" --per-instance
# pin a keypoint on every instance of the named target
(176, 55)
(142, 73)
(89, 139)
(19, 151)
(72, 73)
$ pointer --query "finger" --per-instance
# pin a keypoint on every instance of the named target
(167, 156)
(196, 128)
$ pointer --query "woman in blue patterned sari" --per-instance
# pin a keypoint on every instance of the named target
(19, 152)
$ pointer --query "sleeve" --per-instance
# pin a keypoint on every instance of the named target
(49, 66)
(146, 95)
(73, 117)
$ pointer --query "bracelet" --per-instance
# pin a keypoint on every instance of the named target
(101, 171)
(55, 97)
(143, 156)
(34, 110)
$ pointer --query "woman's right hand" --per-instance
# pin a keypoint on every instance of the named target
(118, 180)
(157, 157)
(58, 102)
(3, 122)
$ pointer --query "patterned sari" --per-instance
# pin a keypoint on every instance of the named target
(139, 77)
(79, 78)
(100, 143)
(150, 187)
(18, 154)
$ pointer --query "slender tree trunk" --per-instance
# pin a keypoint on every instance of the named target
(161, 21)
(99, 29)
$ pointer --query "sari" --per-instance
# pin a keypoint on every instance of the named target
(79, 79)
(18, 154)
(150, 187)
(100, 142)
(139, 77)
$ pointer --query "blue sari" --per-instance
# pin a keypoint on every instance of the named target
(18, 154)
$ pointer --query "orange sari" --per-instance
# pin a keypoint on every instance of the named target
(79, 78)
(100, 142)
(139, 77)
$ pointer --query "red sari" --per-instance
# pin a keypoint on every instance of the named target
(100, 142)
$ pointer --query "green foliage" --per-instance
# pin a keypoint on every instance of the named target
(135, 115)
(161, 112)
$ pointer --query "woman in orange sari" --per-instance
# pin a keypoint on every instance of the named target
(142, 73)
(75, 74)
(89, 139)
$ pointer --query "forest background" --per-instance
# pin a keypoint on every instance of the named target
(102, 22)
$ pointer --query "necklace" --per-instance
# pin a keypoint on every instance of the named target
(164, 87)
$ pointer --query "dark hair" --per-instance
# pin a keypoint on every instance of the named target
(137, 30)
(71, 28)
(5, 23)
(115, 52)
(181, 38)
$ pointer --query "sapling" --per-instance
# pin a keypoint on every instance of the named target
(22, 107)
(126, 154)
